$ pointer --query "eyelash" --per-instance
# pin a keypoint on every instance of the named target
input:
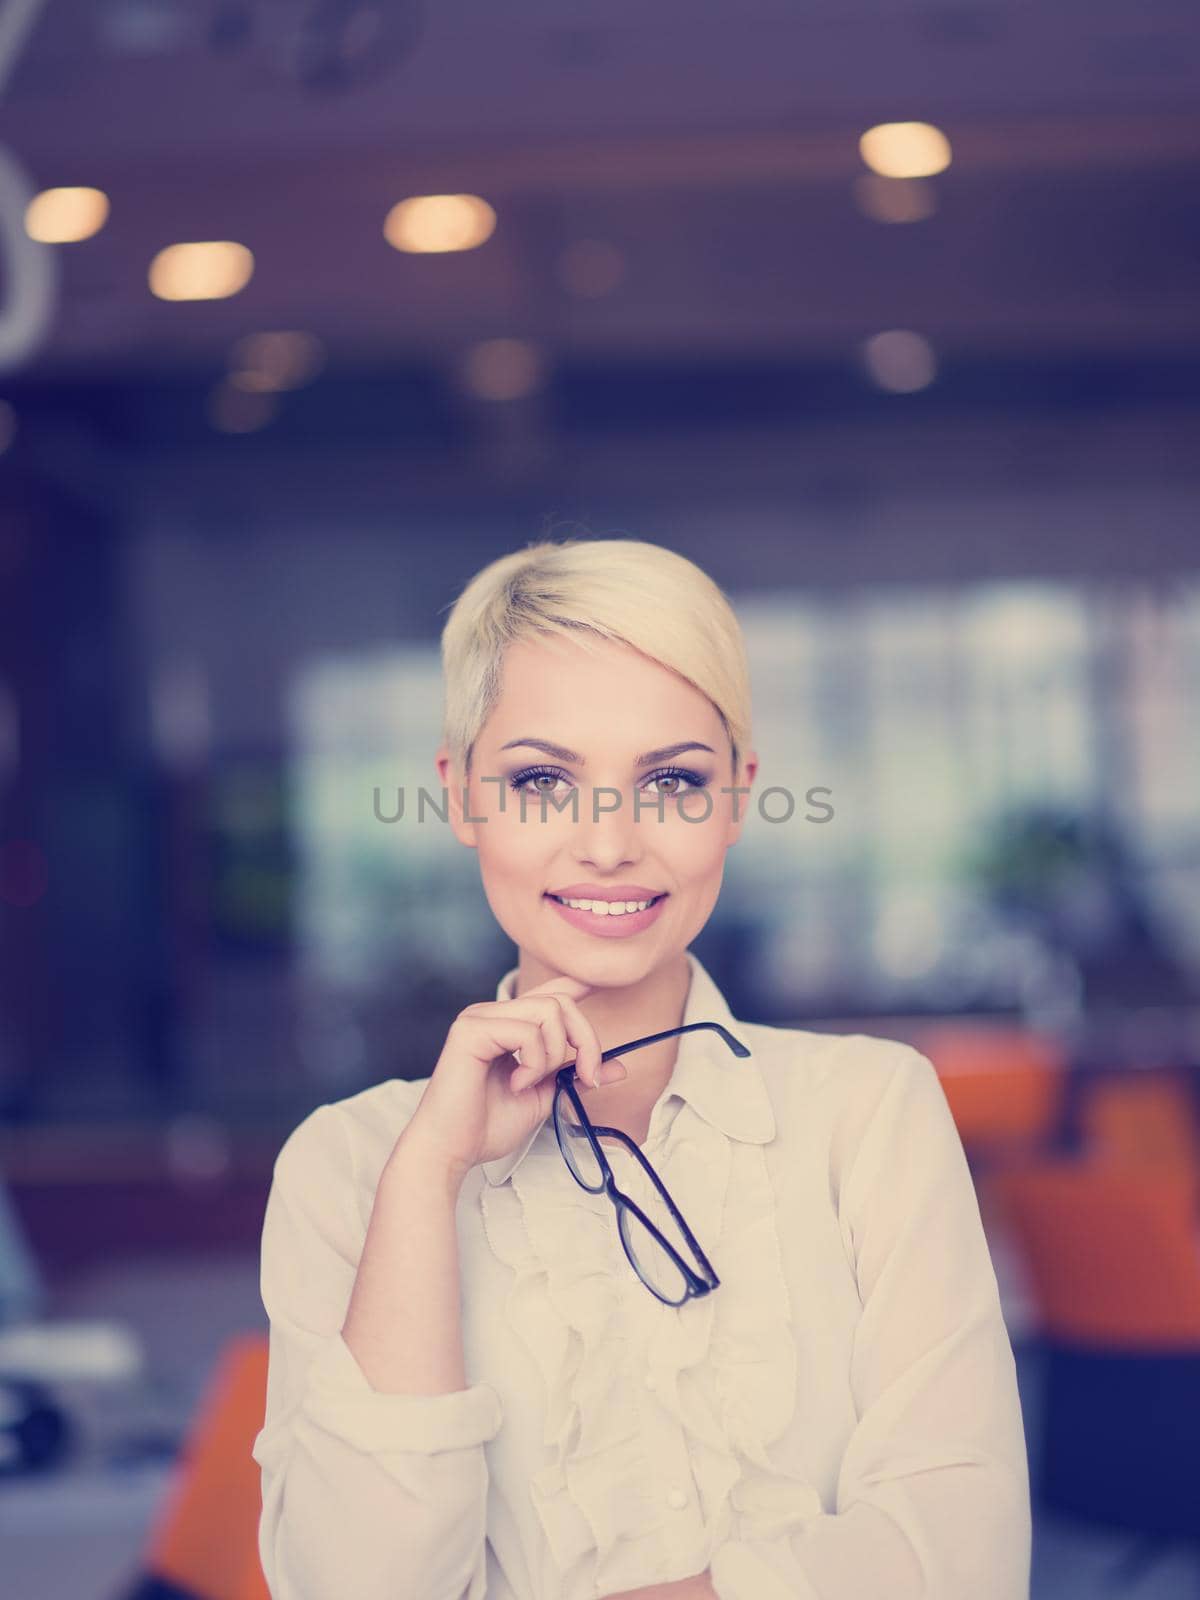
(518, 780)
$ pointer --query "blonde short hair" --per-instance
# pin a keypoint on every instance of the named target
(626, 590)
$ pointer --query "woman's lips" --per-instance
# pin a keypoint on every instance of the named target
(608, 926)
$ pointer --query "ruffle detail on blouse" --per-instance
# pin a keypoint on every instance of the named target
(728, 1373)
(723, 1366)
(563, 1246)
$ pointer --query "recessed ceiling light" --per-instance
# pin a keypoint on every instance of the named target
(905, 149)
(429, 224)
(208, 269)
(65, 216)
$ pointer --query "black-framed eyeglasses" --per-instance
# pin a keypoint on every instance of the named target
(651, 1254)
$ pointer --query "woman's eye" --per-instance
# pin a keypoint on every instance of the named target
(521, 781)
(677, 775)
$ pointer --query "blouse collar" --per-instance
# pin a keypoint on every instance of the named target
(726, 1090)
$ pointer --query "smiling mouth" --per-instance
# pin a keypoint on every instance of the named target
(623, 912)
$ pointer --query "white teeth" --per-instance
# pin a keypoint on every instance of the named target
(605, 908)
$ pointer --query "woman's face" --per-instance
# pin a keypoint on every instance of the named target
(606, 711)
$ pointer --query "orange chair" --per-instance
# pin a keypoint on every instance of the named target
(1113, 1251)
(253, 1586)
(204, 1544)
(1004, 1085)
(1143, 1115)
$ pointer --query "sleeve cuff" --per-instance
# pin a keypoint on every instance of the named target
(740, 1571)
(339, 1399)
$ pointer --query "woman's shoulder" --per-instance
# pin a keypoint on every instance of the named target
(813, 1059)
(351, 1139)
(833, 1078)
(380, 1112)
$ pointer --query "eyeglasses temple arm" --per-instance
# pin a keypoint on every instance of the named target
(735, 1045)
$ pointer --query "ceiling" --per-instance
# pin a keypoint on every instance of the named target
(713, 143)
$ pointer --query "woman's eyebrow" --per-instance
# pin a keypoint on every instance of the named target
(561, 753)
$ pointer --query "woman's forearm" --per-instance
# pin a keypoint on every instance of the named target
(375, 1480)
(403, 1322)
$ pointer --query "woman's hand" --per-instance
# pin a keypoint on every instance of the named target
(697, 1587)
(481, 1101)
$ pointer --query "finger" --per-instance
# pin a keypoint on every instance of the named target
(484, 1037)
(556, 1051)
(555, 1054)
(611, 1071)
(546, 1011)
(583, 1037)
(562, 1023)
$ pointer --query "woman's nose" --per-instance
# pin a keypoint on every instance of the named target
(606, 826)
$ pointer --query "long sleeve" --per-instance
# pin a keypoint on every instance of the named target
(364, 1493)
(933, 1489)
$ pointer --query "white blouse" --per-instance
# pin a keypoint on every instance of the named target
(838, 1420)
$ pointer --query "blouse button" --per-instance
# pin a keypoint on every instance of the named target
(677, 1499)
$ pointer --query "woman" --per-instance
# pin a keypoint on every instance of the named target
(472, 1392)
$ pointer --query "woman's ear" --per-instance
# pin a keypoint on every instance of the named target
(740, 803)
(452, 782)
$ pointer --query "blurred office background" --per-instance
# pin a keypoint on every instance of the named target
(887, 314)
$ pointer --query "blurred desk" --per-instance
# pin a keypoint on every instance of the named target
(80, 1531)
